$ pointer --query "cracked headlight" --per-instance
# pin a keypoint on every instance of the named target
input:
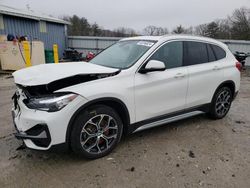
(51, 103)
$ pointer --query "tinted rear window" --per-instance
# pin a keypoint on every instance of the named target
(195, 53)
(219, 52)
(211, 55)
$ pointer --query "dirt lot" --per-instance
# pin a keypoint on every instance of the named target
(197, 152)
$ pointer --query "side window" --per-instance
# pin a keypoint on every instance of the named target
(1, 22)
(43, 26)
(211, 56)
(219, 52)
(171, 54)
(195, 53)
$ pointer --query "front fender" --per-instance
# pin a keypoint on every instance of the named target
(120, 88)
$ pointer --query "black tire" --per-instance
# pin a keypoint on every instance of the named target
(85, 119)
(215, 112)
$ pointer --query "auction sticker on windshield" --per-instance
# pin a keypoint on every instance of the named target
(145, 43)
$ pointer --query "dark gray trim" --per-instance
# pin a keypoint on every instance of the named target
(134, 126)
(39, 135)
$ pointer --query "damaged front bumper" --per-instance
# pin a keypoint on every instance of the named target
(41, 130)
(39, 135)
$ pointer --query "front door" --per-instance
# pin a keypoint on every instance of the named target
(162, 92)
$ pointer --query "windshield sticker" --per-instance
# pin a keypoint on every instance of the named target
(145, 43)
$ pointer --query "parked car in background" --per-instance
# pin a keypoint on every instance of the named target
(89, 56)
(71, 55)
(135, 84)
(241, 57)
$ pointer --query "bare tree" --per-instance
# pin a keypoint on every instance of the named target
(236, 26)
(189, 30)
(154, 31)
(124, 32)
(224, 29)
(161, 31)
(150, 30)
(240, 21)
(201, 29)
(178, 30)
(219, 29)
(130, 32)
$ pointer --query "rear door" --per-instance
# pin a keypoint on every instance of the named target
(205, 72)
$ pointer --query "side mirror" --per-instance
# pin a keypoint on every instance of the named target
(153, 65)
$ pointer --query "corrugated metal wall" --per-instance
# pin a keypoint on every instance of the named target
(21, 26)
(93, 44)
(97, 44)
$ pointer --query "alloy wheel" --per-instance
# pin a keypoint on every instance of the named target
(99, 133)
(223, 103)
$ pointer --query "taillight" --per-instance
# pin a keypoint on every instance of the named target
(238, 66)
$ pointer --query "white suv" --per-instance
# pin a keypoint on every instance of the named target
(135, 84)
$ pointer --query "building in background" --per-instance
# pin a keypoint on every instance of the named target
(35, 26)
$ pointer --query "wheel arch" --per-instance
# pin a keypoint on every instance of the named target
(114, 103)
(229, 83)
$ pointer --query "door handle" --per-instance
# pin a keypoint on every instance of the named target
(179, 75)
(216, 67)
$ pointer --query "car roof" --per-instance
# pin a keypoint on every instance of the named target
(176, 36)
(153, 38)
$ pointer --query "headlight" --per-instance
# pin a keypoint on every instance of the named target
(51, 103)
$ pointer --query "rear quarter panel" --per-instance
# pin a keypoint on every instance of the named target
(230, 70)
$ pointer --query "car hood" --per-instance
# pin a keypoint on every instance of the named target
(47, 73)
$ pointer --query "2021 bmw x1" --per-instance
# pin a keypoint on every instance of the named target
(135, 84)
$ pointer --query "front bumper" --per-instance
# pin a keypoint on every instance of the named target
(40, 129)
(39, 135)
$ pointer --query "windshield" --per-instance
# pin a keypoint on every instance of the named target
(122, 54)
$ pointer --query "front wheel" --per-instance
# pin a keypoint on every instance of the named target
(96, 132)
(221, 103)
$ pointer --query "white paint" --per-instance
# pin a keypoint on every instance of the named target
(46, 73)
(145, 43)
(145, 95)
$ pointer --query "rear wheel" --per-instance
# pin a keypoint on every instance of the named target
(221, 103)
(96, 132)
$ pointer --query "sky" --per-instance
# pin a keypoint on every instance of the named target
(136, 14)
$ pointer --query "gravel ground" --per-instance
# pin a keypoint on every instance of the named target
(197, 152)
